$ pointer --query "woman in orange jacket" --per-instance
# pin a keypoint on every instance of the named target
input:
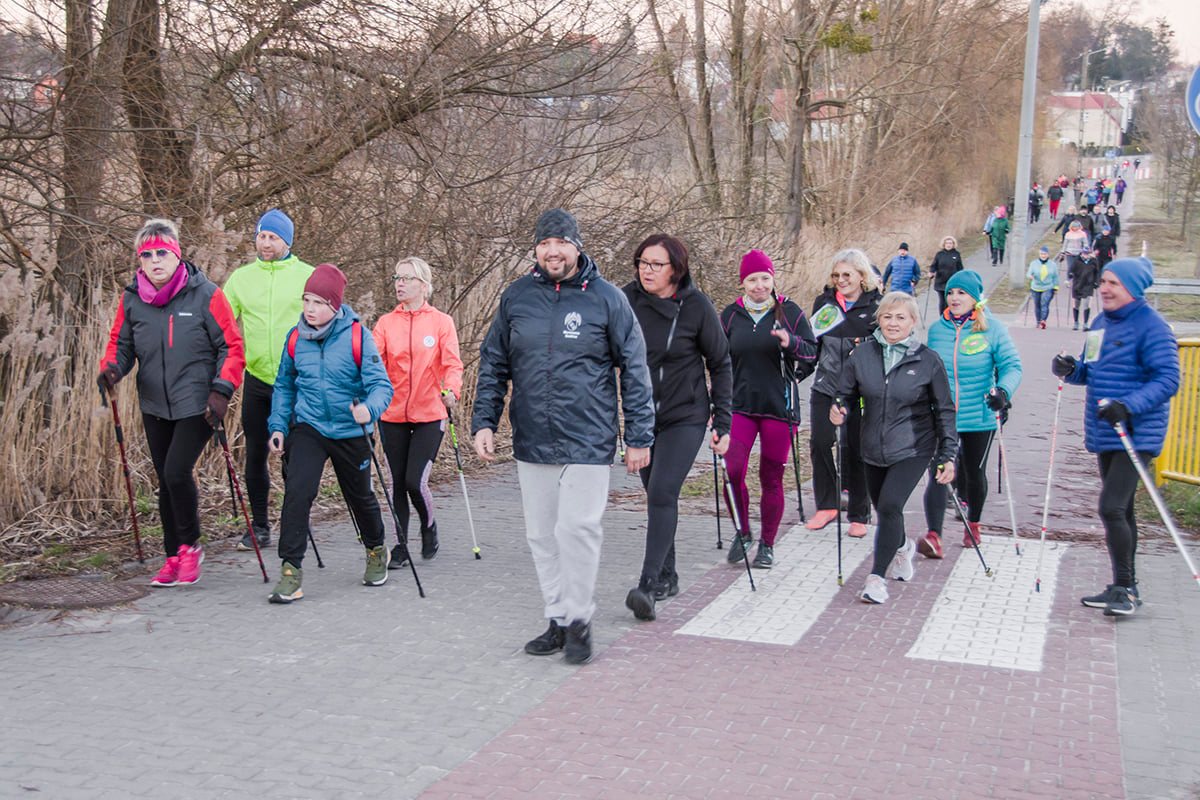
(419, 347)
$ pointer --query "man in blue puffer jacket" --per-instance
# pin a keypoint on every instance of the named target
(559, 334)
(1130, 365)
(903, 272)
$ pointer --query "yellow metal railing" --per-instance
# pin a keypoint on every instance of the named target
(1180, 458)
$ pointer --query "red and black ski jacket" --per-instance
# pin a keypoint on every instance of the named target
(183, 350)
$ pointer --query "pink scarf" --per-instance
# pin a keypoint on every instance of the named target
(160, 297)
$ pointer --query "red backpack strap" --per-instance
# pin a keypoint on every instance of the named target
(356, 341)
(291, 343)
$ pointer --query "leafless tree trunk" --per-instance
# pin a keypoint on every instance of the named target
(708, 149)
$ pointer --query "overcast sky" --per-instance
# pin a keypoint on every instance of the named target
(1184, 18)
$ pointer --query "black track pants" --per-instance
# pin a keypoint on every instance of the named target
(411, 448)
(1118, 481)
(822, 444)
(970, 481)
(256, 408)
(671, 457)
(890, 488)
(175, 447)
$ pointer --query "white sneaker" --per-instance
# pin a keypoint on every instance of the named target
(875, 590)
(901, 567)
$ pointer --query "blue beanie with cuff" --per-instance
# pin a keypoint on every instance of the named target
(1135, 274)
(277, 223)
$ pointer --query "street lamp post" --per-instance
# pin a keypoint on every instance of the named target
(1020, 233)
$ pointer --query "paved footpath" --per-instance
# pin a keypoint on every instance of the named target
(962, 686)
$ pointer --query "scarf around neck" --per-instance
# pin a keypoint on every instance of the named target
(160, 297)
(311, 333)
(892, 353)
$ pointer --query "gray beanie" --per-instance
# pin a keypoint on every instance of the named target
(557, 224)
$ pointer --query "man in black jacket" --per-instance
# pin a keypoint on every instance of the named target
(559, 334)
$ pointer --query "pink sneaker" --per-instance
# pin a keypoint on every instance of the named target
(190, 559)
(169, 574)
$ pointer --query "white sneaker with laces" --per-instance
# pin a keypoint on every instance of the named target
(901, 567)
(875, 590)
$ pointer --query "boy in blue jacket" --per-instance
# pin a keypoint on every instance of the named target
(1130, 365)
(330, 387)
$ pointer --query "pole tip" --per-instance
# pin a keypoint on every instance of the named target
(478, 557)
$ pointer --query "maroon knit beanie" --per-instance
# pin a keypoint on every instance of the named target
(755, 261)
(327, 282)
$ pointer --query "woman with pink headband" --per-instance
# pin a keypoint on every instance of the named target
(177, 326)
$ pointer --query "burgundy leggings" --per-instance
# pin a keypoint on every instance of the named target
(775, 447)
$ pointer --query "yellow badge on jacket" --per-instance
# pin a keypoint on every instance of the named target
(973, 345)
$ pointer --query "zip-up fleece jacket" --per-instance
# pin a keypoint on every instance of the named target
(420, 352)
(1043, 275)
(903, 273)
(558, 345)
(319, 384)
(837, 343)
(906, 413)
(684, 345)
(975, 362)
(183, 350)
(266, 297)
(759, 388)
(1138, 364)
(945, 264)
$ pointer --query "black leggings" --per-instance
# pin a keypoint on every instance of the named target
(970, 480)
(175, 447)
(410, 448)
(824, 463)
(1118, 481)
(890, 488)
(307, 452)
(671, 457)
(256, 408)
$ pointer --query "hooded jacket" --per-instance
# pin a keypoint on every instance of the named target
(558, 344)
(906, 413)
(1138, 364)
(183, 350)
(420, 353)
(999, 233)
(684, 345)
(834, 346)
(266, 297)
(945, 264)
(975, 361)
(318, 385)
(759, 363)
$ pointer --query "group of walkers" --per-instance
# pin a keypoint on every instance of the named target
(886, 407)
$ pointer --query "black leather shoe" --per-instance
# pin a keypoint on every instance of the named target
(548, 643)
(578, 648)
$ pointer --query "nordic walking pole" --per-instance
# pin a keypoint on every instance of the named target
(731, 501)
(925, 314)
(137, 534)
(232, 498)
(219, 432)
(391, 508)
(970, 534)
(1012, 509)
(717, 501)
(463, 482)
(789, 400)
(795, 390)
(839, 497)
(1148, 482)
(1037, 584)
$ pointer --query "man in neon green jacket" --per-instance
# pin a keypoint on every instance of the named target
(266, 299)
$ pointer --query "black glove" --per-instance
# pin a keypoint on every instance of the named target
(214, 411)
(1113, 411)
(1063, 366)
(107, 379)
(997, 399)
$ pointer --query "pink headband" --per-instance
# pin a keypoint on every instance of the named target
(159, 242)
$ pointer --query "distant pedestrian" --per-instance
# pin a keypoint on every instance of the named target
(419, 348)
(987, 232)
(686, 349)
(843, 316)
(330, 390)
(903, 272)
(1105, 246)
(999, 235)
(177, 327)
(1054, 194)
(265, 296)
(1120, 188)
(984, 370)
(561, 336)
(946, 263)
(1113, 220)
(1130, 365)
(908, 420)
(1036, 196)
(1084, 275)
(1064, 224)
(772, 348)
(1043, 284)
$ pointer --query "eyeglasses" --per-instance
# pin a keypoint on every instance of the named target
(837, 275)
(653, 266)
(405, 278)
(146, 255)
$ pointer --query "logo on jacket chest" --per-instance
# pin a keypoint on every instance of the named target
(429, 341)
(571, 324)
(974, 344)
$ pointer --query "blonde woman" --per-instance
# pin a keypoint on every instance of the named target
(946, 264)
(419, 348)
(908, 420)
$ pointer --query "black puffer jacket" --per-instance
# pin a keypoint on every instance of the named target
(558, 344)
(907, 413)
(945, 264)
(837, 343)
(759, 388)
(684, 341)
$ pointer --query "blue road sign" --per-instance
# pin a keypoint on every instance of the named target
(1193, 100)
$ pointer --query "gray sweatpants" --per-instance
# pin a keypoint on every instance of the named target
(563, 505)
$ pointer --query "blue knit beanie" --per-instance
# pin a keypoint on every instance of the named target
(277, 223)
(1135, 274)
(969, 281)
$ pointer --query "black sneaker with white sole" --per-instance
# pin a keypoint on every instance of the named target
(1122, 604)
(399, 559)
(1100, 600)
(261, 532)
(765, 557)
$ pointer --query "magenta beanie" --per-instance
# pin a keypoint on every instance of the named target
(755, 261)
